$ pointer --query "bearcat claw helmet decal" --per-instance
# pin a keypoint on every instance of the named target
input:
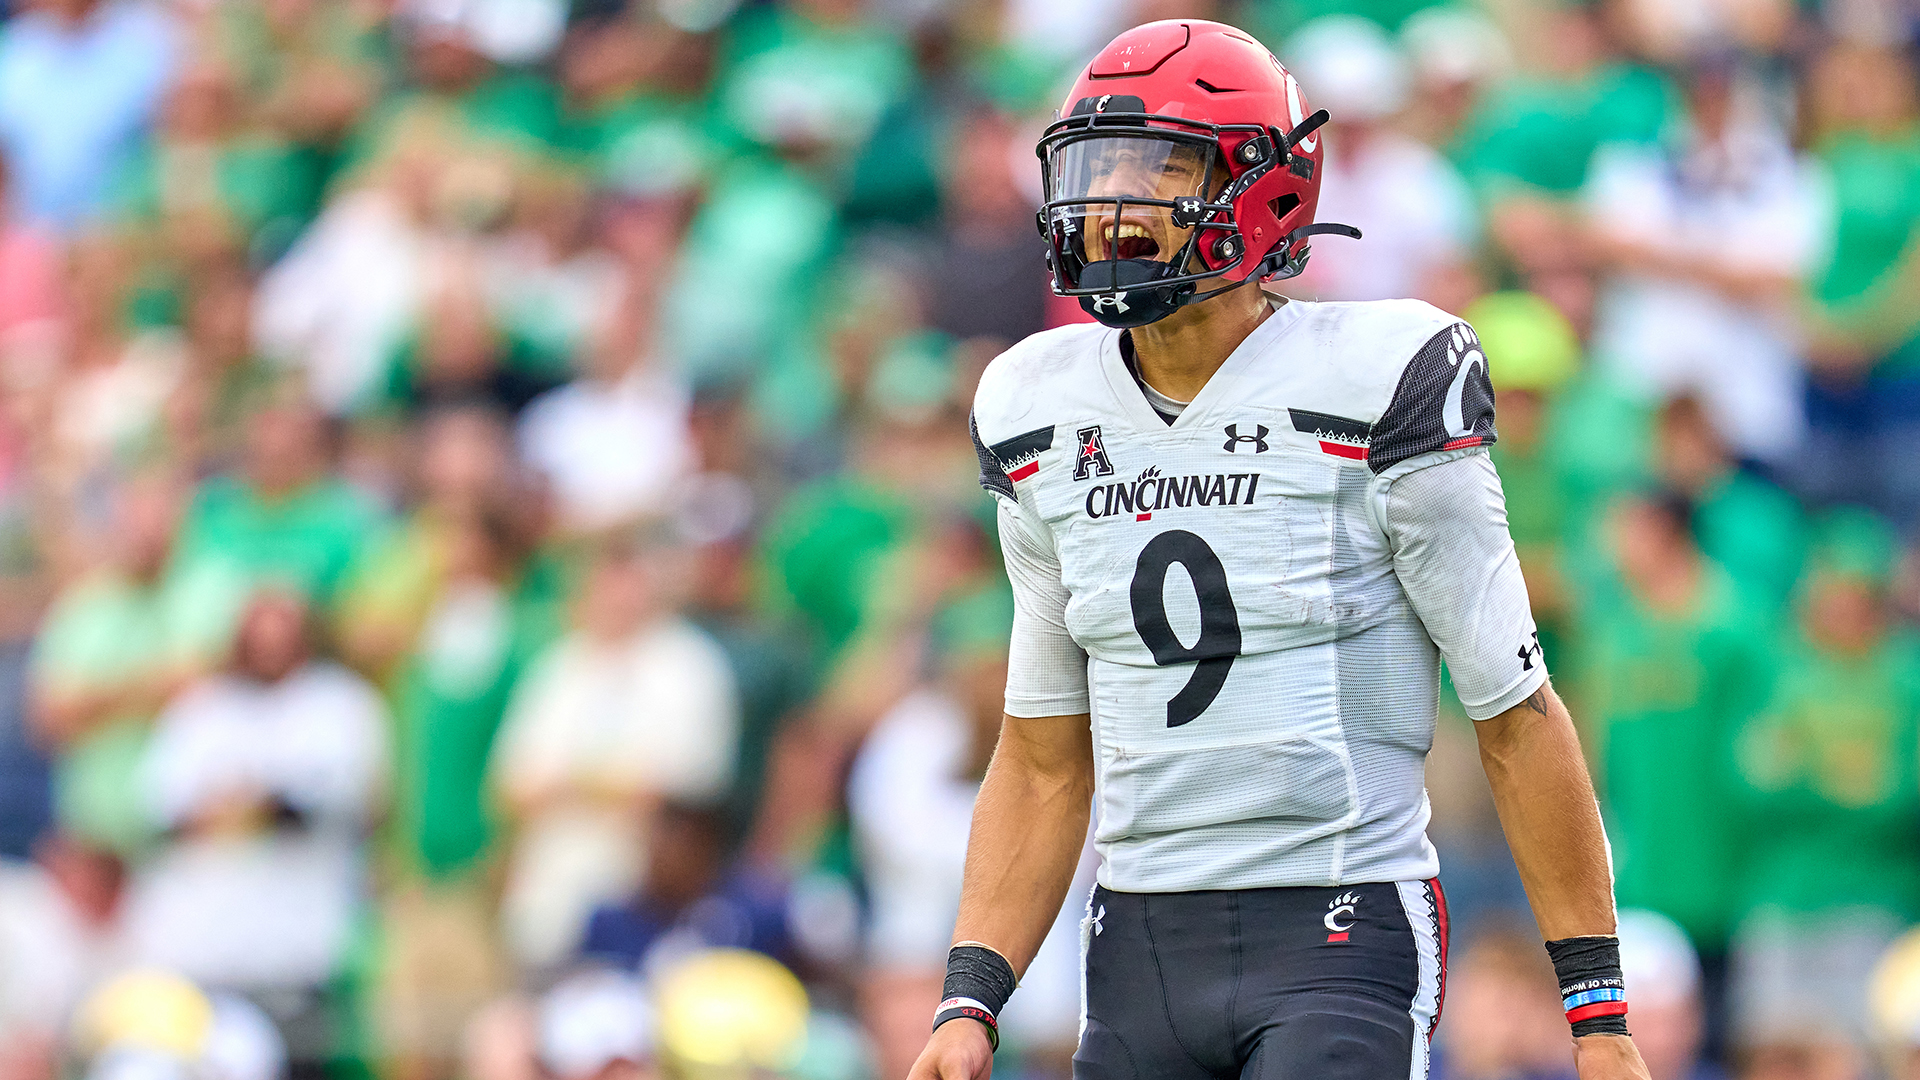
(1184, 152)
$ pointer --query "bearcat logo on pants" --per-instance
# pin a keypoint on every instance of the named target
(1152, 491)
(1339, 909)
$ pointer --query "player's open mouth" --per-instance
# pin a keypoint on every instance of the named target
(1132, 242)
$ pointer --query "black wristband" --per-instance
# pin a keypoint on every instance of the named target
(979, 982)
(1592, 989)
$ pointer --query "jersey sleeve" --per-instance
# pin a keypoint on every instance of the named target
(1443, 401)
(1046, 670)
(1446, 519)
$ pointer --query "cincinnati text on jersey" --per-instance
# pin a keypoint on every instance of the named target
(1152, 491)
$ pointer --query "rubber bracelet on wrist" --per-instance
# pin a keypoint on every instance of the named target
(1592, 989)
(979, 982)
(959, 1008)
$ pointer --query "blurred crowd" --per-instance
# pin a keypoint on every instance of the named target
(493, 585)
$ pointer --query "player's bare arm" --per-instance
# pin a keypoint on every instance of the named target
(1546, 804)
(1028, 828)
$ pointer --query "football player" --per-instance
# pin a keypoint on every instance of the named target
(1243, 533)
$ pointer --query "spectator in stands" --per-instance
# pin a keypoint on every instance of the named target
(1414, 209)
(107, 394)
(119, 642)
(1832, 766)
(266, 779)
(1456, 54)
(1863, 399)
(634, 706)
(461, 353)
(689, 899)
(1526, 151)
(445, 611)
(1746, 524)
(718, 512)
(910, 796)
(61, 934)
(991, 279)
(1677, 658)
(208, 184)
(79, 80)
(351, 288)
(223, 379)
(1702, 243)
(1503, 1014)
(614, 442)
(285, 515)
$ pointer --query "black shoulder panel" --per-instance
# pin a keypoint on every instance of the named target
(1007, 456)
(1444, 402)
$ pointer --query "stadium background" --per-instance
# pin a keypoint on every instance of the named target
(492, 582)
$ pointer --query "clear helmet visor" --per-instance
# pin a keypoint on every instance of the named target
(1110, 197)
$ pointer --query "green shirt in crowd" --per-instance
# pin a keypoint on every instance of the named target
(1830, 774)
(106, 634)
(1540, 133)
(1755, 530)
(1876, 201)
(822, 553)
(450, 691)
(304, 539)
(268, 189)
(1666, 696)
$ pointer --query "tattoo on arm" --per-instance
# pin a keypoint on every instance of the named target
(1537, 701)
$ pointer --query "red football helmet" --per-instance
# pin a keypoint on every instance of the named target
(1185, 152)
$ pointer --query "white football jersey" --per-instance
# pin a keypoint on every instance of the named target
(1252, 601)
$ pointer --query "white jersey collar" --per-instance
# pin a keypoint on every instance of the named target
(1132, 401)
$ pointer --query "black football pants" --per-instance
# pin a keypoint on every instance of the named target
(1263, 984)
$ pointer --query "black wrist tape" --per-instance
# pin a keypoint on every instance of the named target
(979, 982)
(1592, 989)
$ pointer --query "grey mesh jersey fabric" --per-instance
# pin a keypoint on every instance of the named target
(1252, 602)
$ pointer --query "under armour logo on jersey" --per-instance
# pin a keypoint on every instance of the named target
(1115, 302)
(1529, 652)
(1092, 459)
(1258, 439)
(1097, 916)
(1340, 907)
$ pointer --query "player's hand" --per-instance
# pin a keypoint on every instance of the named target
(1603, 1057)
(959, 1050)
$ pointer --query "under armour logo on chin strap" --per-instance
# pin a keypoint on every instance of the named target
(1234, 438)
(1116, 302)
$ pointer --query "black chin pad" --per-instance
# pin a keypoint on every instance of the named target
(1134, 299)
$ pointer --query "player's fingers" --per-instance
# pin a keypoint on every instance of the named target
(933, 1066)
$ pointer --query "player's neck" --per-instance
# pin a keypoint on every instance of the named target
(1178, 354)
